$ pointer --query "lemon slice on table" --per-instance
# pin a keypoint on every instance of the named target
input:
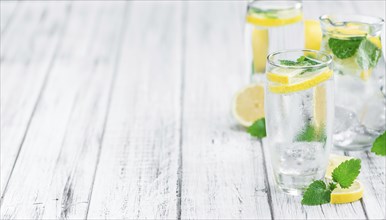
(352, 194)
(248, 104)
(301, 82)
(313, 34)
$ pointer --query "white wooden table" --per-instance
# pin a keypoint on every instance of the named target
(121, 110)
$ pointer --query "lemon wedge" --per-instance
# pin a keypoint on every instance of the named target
(352, 194)
(302, 82)
(248, 104)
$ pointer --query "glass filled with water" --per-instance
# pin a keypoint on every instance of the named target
(360, 100)
(271, 26)
(299, 111)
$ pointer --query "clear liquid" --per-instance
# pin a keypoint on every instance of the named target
(360, 114)
(298, 159)
(262, 41)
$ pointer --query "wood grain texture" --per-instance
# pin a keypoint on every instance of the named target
(54, 171)
(137, 171)
(121, 110)
(372, 175)
(28, 49)
(290, 207)
(8, 10)
(222, 168)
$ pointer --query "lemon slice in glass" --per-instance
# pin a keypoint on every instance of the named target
(282, 75)
(248, 104)
(313, 34)
(273, 20)
(352, 194)
(302, 81)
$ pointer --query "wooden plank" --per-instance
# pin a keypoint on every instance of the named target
(137, 173)
(55, 169)
(27, 52)
(8, 10)
(222, 167)
(373, 178)
(290, 207)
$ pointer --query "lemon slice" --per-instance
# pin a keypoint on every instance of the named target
(333, 162)
(261, 20)
(376, 41)
(248, 104)
(281, 75)
(301, 82)
(352, 194)
(313, 34)
(320, 106)
(260, 49)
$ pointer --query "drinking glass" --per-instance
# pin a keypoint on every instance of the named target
(360, 101)
(299, 111)
(270, 26)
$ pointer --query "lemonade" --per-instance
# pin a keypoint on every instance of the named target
(355, 43)
(271, 26)
(299, 111)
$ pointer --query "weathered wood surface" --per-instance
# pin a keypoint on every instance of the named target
(121, 110)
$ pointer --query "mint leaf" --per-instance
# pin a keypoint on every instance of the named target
(317, 193)
(346, 172)
(379, 145)
(344, 48)
(257, 129)
(270, 13)
(368, 55)
(310, 134)
(301, 61)
(288, 62)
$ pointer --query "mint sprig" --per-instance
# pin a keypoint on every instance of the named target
(257, 129)
(301, 61)
(379, 145)
(318, 192)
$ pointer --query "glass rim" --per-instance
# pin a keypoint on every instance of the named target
(296, 4)
(321, 64)
(354, 18)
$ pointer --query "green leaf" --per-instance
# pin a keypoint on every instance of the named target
(344, 48)
(310, 134)
(332, 186)
(258, 128)
(346, 172)
(317, 193)
(270, 13)
(288, 63)
(301, 61)
(379, 145)
(368, 55)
